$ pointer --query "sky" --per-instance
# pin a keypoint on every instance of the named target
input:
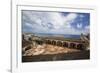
(55, 22)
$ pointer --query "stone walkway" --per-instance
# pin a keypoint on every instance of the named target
(47, 49)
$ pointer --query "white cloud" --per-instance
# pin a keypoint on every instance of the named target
(51, 22)
(28, 24)
(70, 17)
(79, 25)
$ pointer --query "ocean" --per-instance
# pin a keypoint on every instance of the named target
(59, 35)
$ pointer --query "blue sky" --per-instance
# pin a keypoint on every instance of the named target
(55, 22)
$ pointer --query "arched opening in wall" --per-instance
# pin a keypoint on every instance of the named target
(40, 42)
(53, 42)
(72, 45)
(36, 41)
(80, 47)
(59, 43)
(47, 41)
(65, 44)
